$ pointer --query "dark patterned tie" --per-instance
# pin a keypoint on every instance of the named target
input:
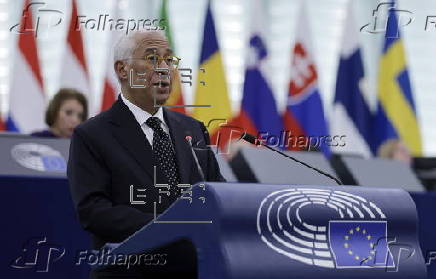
(164, 153)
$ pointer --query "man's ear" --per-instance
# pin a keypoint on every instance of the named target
(121, 70)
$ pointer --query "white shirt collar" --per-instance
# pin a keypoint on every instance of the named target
(141, 115)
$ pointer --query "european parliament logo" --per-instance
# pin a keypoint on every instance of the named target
(351, 232)
(38, 157)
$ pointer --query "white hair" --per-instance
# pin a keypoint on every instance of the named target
(126, 44)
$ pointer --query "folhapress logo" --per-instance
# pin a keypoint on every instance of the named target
(37, 254)
(38, 157)
(388, 19)
(26, 25)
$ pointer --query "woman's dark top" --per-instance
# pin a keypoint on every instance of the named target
(43, 134)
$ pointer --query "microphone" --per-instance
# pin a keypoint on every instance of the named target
(200, 170)
(253, 140)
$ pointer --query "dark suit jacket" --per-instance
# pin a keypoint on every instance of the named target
(110, 152)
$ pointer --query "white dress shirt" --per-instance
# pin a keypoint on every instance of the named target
(141, 117)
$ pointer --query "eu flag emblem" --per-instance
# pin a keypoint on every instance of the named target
(54, 163)
(360, 244)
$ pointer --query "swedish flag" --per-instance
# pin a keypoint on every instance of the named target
(396, 110)
(213, 91)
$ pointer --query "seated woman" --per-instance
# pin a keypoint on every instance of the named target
(66, 110)
(395, 149)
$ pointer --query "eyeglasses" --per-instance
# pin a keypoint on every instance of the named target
(170, 60)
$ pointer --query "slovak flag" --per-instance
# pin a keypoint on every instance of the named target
(27, 87)
(304, 118)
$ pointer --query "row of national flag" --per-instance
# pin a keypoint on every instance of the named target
(359, 129)
(304, 118)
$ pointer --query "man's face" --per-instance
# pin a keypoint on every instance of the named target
(153, 75)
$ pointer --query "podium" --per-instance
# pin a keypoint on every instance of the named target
(290, 231)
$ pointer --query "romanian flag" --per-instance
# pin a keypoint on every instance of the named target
(176, 96)
(396, 109)
(213, 92)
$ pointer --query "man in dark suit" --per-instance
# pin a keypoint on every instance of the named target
(134, 142)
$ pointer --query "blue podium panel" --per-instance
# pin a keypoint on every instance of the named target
(41, 235)
(284, 231)
(426, 207)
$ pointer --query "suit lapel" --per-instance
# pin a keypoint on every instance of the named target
(178, 132)
(129, 134)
